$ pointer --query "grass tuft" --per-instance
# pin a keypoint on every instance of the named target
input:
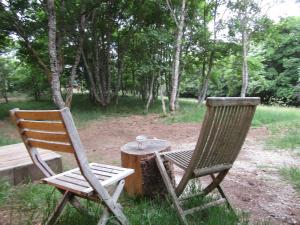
(292, 175)
(188, 112)
(4, 140)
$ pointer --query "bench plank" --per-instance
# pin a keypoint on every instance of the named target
(16, 165)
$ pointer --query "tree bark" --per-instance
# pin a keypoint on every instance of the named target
(5, 91)
(119, 73)
(162, 97)
(206, 75)
(245, 63)
(77, 60)
(206, 78)
(36, 89)
(150, 95)
(54, 64)
(5, 98)
(93, 89)
(176, 61)
(60, 36)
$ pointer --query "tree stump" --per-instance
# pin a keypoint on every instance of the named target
(146, 180)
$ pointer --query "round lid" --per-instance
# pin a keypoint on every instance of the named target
(147, 146)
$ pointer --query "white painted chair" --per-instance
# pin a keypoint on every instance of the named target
(55, 130)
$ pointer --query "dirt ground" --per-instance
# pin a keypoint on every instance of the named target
(253, 184)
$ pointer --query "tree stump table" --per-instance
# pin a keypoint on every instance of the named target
(146, 180)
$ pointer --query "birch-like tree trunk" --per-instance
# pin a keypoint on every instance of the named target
(206, 77)
(54, 64)
(176, 61)
(119, 73)
(4, 90)
(93, 88)
(245, 63)
(207, 74)
(161, 93)
(73, 75)
(150, 94)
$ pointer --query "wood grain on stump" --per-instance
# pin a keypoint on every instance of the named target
(146, 180)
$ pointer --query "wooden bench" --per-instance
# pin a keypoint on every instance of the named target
(16, 165)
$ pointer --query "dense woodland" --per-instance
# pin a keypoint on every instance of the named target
(149, 49)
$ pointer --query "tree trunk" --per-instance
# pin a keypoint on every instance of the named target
(55, 83)
(5, 91)
(206, 78)
(245, 63)
(120, 71)
(36, 89)
(107, 75)
(203, 91)
(176, 62)
(93, 89)
(73, 75)
(5, 98)
(77, 60)
(150, 95)
(119, 80)
(60, 36)
(162, 97)
(206, 75)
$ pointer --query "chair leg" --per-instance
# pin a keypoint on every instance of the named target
(216, 181)
(104, 218)
(59, 208)
(170, 189)
(222, 193)
(113, 207)
(75, 203)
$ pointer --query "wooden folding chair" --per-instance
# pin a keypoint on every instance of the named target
(224, 129)
(55, 130)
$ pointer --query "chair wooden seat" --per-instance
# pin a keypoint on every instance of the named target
(75, 182)
(183, 158)
(180, 158)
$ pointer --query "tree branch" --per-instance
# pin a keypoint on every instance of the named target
(21, 33)
(172, 12)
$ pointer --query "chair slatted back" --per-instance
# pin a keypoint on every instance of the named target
(43, 129)
(224, 129)
(55, 130)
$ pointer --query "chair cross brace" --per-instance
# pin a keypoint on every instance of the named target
(69, 197)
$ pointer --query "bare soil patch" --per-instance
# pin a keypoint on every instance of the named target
(253, 185)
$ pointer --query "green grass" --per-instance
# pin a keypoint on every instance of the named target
(5, 107)
(4, 140)
(4, 189)
(188, 112)
(282, 122)
(83, 112)
(292, 175)
(32, 204)
(269, 115)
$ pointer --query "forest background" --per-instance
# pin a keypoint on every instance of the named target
(148, 49)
